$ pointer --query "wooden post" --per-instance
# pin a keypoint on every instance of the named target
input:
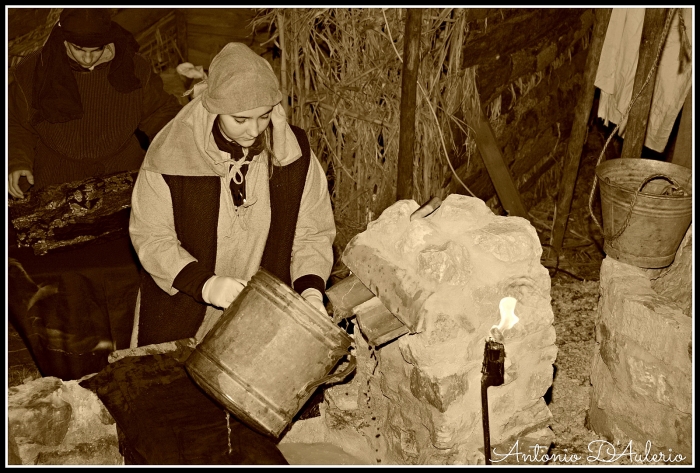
(283, 64)
(407, 121)
(582, 111)
(635, 134)
(495, 165)
(682, 153)
(181, 28)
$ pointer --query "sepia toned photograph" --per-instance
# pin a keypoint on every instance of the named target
(349, 236)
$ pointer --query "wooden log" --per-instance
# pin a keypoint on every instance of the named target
(377, 323)
(407, 121)
(493, 160)
(572, 158)
(636, 131)
(73, 213)
(347, 294)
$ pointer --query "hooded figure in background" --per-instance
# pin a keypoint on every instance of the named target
(227, 187)
(77, 106)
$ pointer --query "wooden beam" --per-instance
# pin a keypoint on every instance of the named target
(493, 160)
(407, 121)
(635, 134)
(582, 111)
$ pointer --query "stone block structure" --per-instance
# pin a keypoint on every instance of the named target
(642, 367)
(417, 400)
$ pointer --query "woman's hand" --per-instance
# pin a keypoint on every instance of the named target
(279, 131)
(220, 291)
(13, 182)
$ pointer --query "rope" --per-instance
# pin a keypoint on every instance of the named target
(667, 25)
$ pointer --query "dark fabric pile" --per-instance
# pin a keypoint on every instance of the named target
(164, 418)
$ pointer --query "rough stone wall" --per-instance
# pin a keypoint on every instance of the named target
(676, 282)
(52, 422)
(529, 73)
(642, 367)
(417, 400)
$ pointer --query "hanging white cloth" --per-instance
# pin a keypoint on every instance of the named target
(618, 65)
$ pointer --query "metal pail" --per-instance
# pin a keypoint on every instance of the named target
(647, 208)
(268, 353)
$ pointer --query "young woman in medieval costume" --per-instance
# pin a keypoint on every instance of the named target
(227, 187)
(75, 105)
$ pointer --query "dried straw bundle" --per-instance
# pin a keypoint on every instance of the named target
(342, 71)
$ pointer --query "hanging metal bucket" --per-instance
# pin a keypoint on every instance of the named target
(647, 208)
(268, 353)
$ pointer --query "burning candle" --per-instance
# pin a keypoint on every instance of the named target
(508, 318)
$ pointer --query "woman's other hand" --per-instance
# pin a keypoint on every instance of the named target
(13, 182)
(315, 298)
(220, 291)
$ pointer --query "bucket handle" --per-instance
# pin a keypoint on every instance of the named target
(676, 186)
(611, 239)
(331, 378)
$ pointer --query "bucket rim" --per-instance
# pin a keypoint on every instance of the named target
(312, 319)
(645, 194)
(602, 168)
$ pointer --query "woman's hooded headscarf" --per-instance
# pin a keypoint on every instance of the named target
(239, 79)
(55, 93)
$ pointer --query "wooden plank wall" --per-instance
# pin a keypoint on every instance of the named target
(136, 20)
(210, 29)
(532, 61)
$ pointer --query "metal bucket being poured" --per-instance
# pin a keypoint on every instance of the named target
(268, 353)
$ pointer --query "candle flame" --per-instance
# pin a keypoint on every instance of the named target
(508, 318)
